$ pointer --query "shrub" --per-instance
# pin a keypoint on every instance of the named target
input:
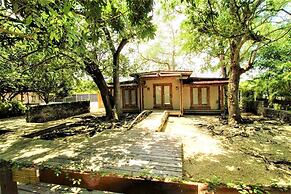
(11, 109)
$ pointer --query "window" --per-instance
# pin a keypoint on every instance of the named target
(195, 96)
(158, 90)
(167, 97)
(200, 97)
(204, 100)
(129, 97)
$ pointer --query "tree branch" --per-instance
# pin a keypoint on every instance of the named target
(109, 39)
(121, 45)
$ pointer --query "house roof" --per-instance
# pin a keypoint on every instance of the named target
(126, 83)
(161, 73)
(184, 75)
(205, 81)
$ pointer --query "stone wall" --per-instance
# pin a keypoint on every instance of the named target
(278, 114)
(272, 113)
(43, 113)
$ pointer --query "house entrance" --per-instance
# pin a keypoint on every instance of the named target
(163, 96)
(200, 97)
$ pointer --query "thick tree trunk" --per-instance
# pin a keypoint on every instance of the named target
(93, 70)
(233, 86)
(233, 95)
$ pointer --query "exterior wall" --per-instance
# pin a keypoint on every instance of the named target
(148, 91)
(148, 94)
(101, 105)
(213, 95)
(29, 98)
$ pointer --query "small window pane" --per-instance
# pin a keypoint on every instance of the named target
(167, 95)
(133, 97)
(195, 96)
(204, 95)
(126, 97)
(158, 94)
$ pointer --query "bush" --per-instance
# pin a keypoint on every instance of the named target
(11, 109)
(277, 106)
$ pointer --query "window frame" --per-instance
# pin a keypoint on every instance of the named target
(200, 105)
(130, 105)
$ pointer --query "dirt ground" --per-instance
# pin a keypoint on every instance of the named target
(257, 153)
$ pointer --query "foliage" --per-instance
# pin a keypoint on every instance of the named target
(86, 33)
(212, 46)
(85, 86)
(11, 109)
(275, 63)
(246, 189)
(273, 81)
(49, 82)
(163, 51)
(247, 26)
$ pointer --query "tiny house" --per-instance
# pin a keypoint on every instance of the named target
(172, 90)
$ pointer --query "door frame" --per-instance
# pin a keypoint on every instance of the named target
(162, 105)
(200, 106)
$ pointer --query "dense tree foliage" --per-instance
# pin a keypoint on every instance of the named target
(80, 32)
(274, 80)
(247, 26)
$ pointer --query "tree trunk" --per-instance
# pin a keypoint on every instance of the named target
(224, 75)
(116, 82)
(45, 98)
(93, 70)
(233, 86)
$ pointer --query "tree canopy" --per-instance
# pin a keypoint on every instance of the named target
(246, 26)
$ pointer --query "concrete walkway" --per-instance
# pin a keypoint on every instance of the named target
(188, 130)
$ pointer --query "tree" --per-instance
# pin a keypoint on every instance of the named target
(52, 81)
(247, 26)
(162, 53)
(130, 19)
(85, 86)
(273, 81)
(76, 29)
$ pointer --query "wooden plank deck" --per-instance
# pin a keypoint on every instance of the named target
(138, 153)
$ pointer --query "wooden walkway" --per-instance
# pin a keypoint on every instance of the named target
(139, 153)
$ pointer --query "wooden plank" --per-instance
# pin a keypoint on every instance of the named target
(145, 166)
(25, 175)
(162, 152)
(163, 121)
(148, 170)
(114, 183)
(151, 161)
